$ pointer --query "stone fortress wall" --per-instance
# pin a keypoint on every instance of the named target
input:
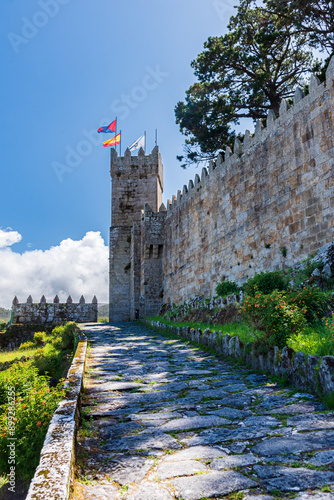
(266, 205)
(53, 313)
(273, 195)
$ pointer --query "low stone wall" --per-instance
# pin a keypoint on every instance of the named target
(53, 475)
(313, 373)
(53, 313)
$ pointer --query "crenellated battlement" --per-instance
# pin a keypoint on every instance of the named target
(318, 93)
(53, 312)
(130, 165)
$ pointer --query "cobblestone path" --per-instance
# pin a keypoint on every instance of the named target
(169, 420)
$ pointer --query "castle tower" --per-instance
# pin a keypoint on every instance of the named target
(136, 180)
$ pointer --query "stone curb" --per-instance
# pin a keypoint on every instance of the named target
(311, 373)
(53, 475)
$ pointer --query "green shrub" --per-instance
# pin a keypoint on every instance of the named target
(266, 282)
(226, 288)
(274, 315)
(27, 345)
(21, 375)
(40, 338)
(49, 361)
(67, 334)
(305, 272)
(312, 301)
(35, 403)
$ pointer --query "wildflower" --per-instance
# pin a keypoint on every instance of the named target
(39, 423)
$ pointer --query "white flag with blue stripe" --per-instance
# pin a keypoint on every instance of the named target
(139, 143)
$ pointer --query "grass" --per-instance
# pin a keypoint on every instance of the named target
(11, 355)
(242, 330)
(3, 480)
(316, 341)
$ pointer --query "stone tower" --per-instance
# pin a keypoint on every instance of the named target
(137, 186)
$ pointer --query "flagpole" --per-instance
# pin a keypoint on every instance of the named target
(156, 136)
(116, 132)
(120, 143)
(145, 141)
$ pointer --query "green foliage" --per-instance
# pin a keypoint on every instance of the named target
(27, 345)
(312, 301)
(52, 351)
(37, 393)
(226, 288)
(57, 349)
(2, 326)
(21, 375)
(274, 315)
(49, 361)
(315, 341)
(67, 334)
(17, 354)
(40, 338)
(35, 403)
(266, 282)
(329, 402)
(243, 73)
(242, 330)
(315, 18)
(283, 250)
(305, 271)
(4, 314)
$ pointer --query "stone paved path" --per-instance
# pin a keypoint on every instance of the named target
(169, 420)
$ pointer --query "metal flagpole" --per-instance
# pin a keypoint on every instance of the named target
(116, 132)
(120, 143)
(156, 136)
(145, 141)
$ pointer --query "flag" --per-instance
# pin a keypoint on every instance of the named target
(139, 143)
(109, 129)
(113, 142)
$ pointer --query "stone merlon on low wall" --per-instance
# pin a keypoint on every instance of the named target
(312, 373)
(54, 313)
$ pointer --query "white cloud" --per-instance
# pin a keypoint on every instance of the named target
(8, 237)
(72, 268)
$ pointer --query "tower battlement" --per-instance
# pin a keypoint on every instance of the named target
(127, 164)
(136, 180)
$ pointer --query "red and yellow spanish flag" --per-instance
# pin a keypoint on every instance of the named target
(113, 142)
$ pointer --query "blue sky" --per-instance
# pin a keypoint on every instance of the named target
(69, 66)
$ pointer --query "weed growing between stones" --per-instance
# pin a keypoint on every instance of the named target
(326, 489)
(328, 400)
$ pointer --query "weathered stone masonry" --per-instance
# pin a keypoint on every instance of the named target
(275, 191)
(273, 195)
(55, 312)
(136, 235)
